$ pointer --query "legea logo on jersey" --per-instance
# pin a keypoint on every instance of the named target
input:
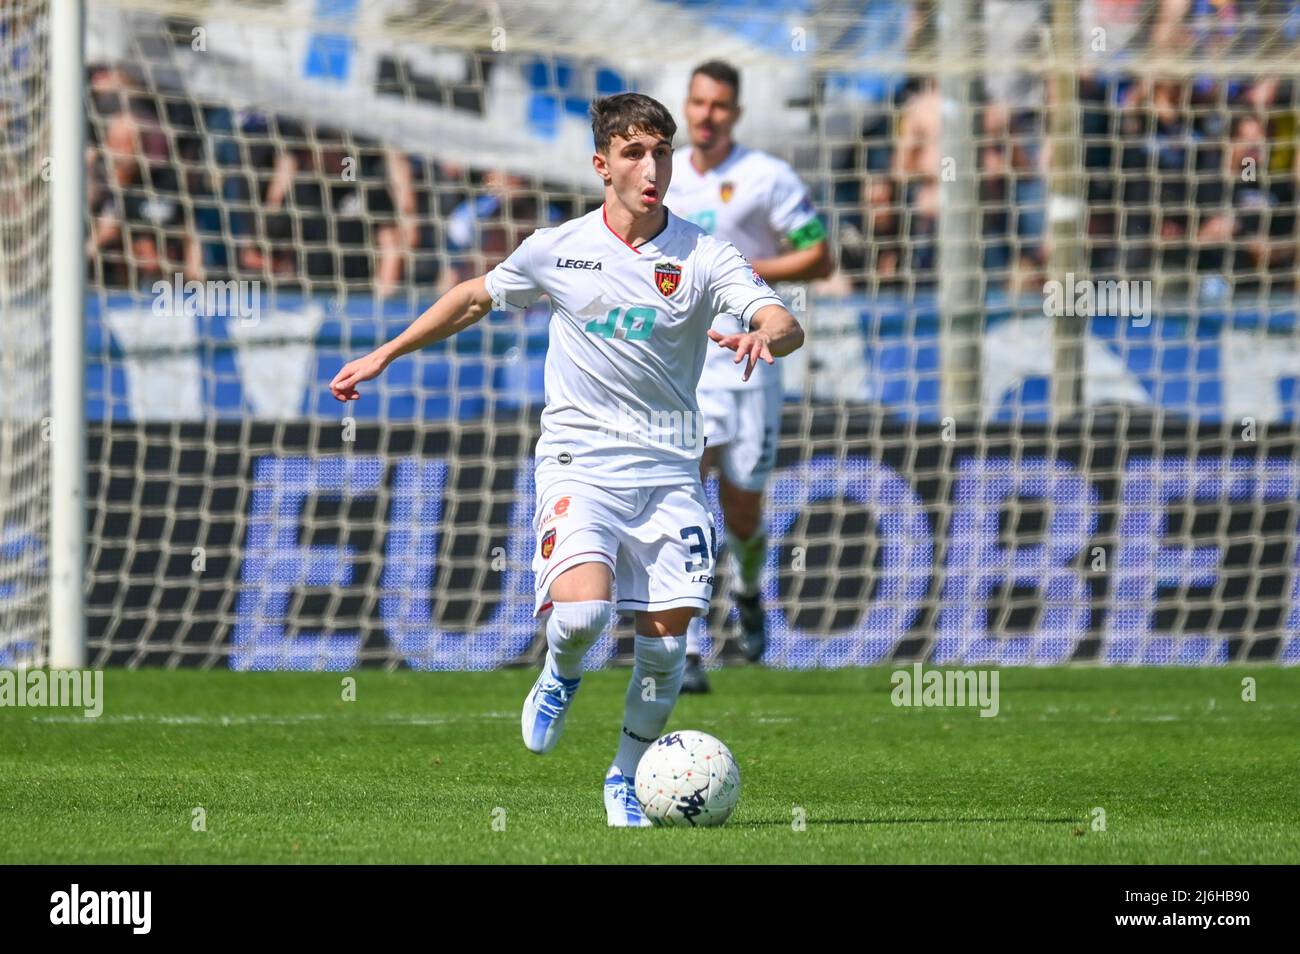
(658, 428)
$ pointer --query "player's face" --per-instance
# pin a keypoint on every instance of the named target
(639, 170)
(711, 112)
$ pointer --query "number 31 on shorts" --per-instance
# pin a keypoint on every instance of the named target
(704, 548)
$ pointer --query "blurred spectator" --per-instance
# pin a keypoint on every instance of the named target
(916, 168)
(140, 230)
(858, 107)
(250, 158)
(1207, 29)
(336, 211)
(431, 183)
(1013, 195)
(1271, 100)
(917, 155)
(486, 228)
(871, 241)
(1156, 145)
(218, 190)
(1109, 30)
(1248, 223)
(1014, 33)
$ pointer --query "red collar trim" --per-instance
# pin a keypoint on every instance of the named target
(605, 218)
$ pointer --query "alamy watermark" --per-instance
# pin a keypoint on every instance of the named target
(1076, 298)
(54, 688)
(77, 906)
(232, 299)
(657, 428)
(946, 688)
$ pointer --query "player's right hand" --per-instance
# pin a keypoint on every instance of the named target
(344, 385)
(754, 345)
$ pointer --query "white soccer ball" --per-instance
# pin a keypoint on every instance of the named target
(688, 779)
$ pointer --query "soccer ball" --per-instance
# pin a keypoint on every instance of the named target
(688, 779)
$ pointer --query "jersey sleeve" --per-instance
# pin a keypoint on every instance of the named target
(735, 288)
(514, 282)
(791, 213)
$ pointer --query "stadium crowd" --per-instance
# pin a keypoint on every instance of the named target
(1186, 175)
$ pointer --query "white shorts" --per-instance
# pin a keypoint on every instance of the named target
(744, 425)
(659, 542)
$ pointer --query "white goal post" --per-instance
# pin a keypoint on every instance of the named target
(67, 337)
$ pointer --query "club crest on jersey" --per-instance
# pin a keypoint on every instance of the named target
(726, 191)
(667, 277)
(548, 544)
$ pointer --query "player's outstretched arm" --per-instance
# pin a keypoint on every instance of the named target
(774, 333)
(453, 312)
(800, 265)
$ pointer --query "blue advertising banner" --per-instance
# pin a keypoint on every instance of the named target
(288, 546)
(175, 356)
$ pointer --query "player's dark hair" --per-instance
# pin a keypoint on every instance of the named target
(627, 114)
(720, 71)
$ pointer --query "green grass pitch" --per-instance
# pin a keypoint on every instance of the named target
(419, 767)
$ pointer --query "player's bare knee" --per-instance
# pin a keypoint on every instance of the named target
(586, 581)
(672, 622)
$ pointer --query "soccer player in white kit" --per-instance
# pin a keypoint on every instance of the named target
(756, 202)
(620, 511)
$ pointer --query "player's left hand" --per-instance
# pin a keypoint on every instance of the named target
(344, 385)
(753, 346)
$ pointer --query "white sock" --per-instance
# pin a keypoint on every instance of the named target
(695, 635)
(747, 559)
(659, 659)
(570, 631)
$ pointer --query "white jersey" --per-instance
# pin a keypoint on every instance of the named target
(753, 201)
(628, 334)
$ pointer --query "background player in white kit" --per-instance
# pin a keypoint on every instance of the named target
(756, 202)
(633, 291)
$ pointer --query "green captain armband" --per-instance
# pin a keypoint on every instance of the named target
(808, 235)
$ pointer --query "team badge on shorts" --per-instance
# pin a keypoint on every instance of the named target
(548, 543)
(726, 191)
(667, 277)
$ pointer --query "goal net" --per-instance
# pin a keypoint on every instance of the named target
(24, 335)
(1046, 413)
